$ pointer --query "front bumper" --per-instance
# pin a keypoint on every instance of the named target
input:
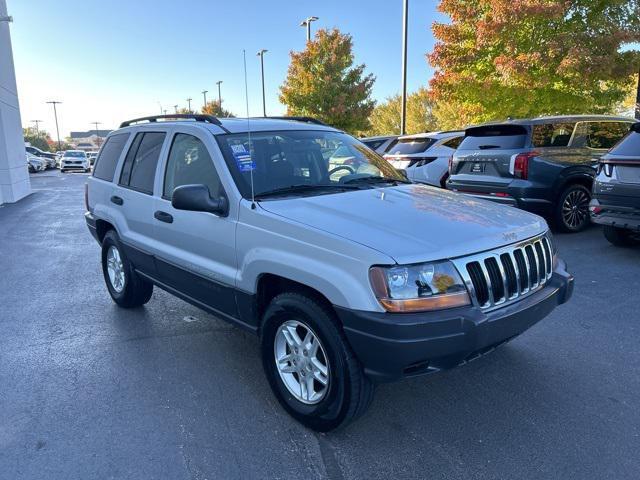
(393, 346)
(615, 215)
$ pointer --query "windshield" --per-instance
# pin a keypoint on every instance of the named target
(312, 161)
(408, 146)
(74, 154)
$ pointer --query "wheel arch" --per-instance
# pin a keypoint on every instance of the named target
(102, 227)
(270, 285)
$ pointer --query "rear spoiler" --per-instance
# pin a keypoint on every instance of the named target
(498, 130)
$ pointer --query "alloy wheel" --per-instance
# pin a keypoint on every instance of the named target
(575, 209)
(301, 362)
(115, 269)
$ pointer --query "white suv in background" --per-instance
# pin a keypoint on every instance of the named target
(425, 156)
(74, 160)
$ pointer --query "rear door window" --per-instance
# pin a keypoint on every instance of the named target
(408, 146)
(140, 164)
(491, 137)
(552, 134)
(600, 135)
(109, 155)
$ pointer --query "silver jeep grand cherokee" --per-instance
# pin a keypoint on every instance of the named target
(349, 274)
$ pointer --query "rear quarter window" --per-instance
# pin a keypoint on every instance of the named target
(552, 134)
(107, 161)
(600, 135)
(490, 137)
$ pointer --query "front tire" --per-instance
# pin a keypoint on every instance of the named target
(125, 286)
(572, 209)
(620, 237)
(310, 366)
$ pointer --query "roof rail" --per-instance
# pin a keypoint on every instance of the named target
(198, 117)
(315, 121)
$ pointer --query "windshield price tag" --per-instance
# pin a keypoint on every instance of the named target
(243, 158)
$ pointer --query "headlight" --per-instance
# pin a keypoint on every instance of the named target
(419, 288)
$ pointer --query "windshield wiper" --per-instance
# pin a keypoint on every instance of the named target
(374, 179)
(303, 188)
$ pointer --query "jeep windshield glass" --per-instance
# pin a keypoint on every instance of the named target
(302, 162)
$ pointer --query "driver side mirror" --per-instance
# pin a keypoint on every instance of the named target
(196, 198)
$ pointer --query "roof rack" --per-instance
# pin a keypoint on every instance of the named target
(315, 121)
(198, 117)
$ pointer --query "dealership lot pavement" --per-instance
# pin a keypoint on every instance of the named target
(88, 390)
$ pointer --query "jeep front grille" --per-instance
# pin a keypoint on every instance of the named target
(502, 276)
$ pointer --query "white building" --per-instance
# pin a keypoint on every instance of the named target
(90, 140)
(14, 177)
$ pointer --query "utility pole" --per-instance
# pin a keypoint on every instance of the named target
(219, 95)
(189, 103)
(37, 122)
(307, 23)
(97, 132)
(264, 105)
(55, 114)
(405, 16)
(638, 98)
(204, 94)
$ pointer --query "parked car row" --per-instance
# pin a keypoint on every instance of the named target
(544, 165)
(67, 160)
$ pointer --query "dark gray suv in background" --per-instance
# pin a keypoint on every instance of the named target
(616, 191)
(544, 165)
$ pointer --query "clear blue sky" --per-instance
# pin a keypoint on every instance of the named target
(112, 60)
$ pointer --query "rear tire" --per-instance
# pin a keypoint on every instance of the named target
(347, 393)
(125, 286)
(621, 237)
(572, 209)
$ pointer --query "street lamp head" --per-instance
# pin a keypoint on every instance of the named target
(262, 52)
(218, 82)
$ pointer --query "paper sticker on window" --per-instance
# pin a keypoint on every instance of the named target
(243, 158)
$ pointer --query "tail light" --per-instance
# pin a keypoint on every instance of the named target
(521, 164)
(86, 196)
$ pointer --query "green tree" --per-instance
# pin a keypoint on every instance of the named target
(214, 108)
(38, 139)
(323, 82)
(385, 118)
(521, 58)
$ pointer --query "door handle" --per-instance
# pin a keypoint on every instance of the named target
(163, 216)
(117, 200)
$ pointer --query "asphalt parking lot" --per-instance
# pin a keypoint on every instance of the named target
(88, 390)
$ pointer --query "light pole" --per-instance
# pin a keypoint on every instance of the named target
(204, 94)
(261, 55)
(405, 16)
(219, 95)
(189, 103)
(307, 23)
(638, 98)
(97, 133)
(175, 107)
(55, 114)
(160, 105)
(37, 122)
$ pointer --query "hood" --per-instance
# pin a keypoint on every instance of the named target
(412, 223)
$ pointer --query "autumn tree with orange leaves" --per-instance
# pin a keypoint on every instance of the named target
(523, 58)
(322, 82)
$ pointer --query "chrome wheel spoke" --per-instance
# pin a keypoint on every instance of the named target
(301, 362)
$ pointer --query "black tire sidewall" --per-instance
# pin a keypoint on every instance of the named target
(330, 411)
(560, 223)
